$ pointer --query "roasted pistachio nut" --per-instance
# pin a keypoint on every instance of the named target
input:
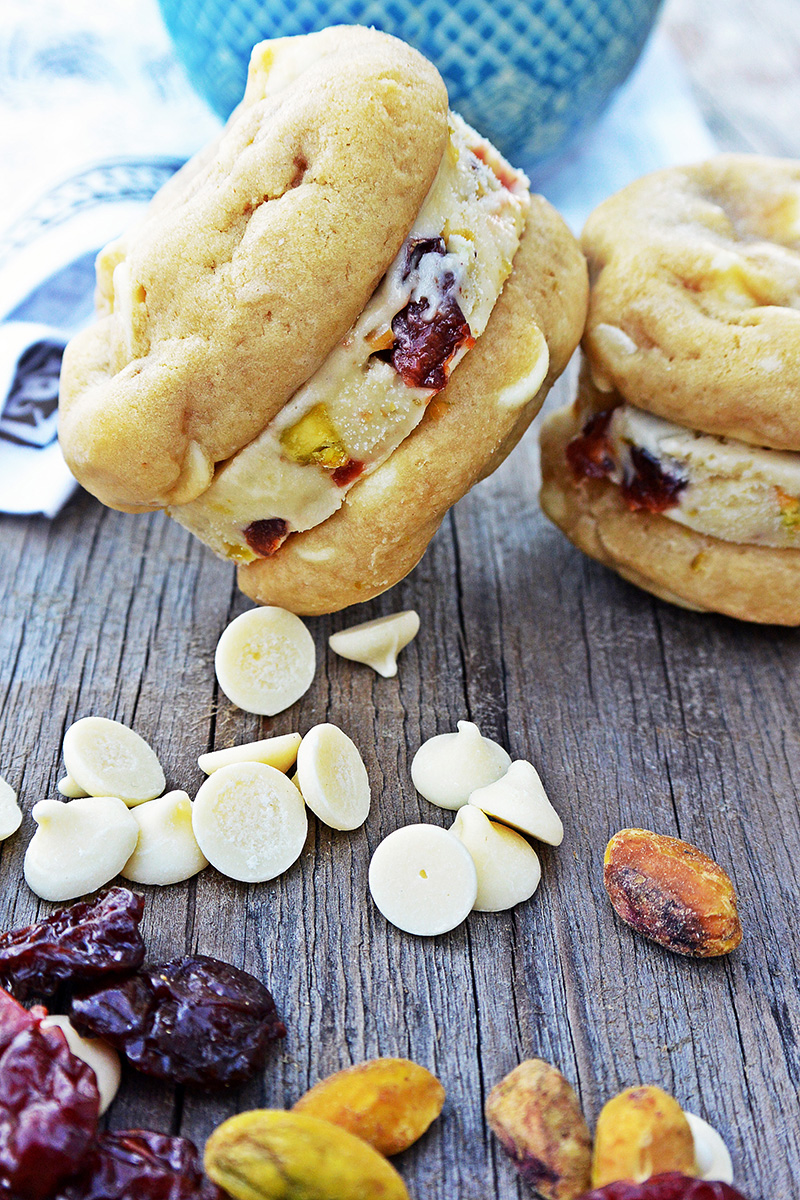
(536, 1116)
(671, 892)
(640, 1133)
(387, 1102)
(274, 1155)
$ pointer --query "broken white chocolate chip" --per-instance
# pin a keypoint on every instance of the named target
(508, 868)
(519, 800)
(278, 752)
(250, 821)
(377, 643)
(10, 811)
(332, 777)
(106, 758)
(423, 880)
(713, 1158)
(97, 1054)
(78, 846)
(69, 788)
(265, 660)
(167, 850)
(448, 767)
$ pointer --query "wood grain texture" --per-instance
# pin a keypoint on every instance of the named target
(635, 713)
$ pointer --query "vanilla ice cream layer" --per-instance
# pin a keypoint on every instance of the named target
(722, 487)
(349, 417)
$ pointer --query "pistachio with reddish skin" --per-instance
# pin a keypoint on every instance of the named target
(672, 893)
(536, 1116)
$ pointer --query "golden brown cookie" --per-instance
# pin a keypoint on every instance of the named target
(387, 520)
(251, 265)
(695, 301)
(678, 564)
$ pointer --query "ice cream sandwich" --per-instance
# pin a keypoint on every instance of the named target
(327, 327)
(679, 463)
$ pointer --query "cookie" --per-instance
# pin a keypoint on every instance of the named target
(329, 325)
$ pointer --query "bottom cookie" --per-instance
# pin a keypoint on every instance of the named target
(693, 570)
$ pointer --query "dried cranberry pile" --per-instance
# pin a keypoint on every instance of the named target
(193, 1020)
(672, 1186)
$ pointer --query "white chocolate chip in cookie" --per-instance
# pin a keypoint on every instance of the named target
(265, 660)
(10, 811)
(167, 850)
(250, 821)
(78, 846)
(713, 1156)
(519, 800)
(377, 643)
(423, 880)
(332, 777)
(448, 767)
(97, 1054)
(69, 788)
(508, 868)
(278, 752)
(106, 758)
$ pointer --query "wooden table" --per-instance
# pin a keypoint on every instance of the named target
(635, 712)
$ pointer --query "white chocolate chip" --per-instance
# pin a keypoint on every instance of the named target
(10, 811)
(69, 788)
(508, 868)
(78, 846)
(377, 643)
(167, 850)
(423, 880)
(250, 821)
(448, 767)
(97, 1054)
(106, 758)
(713, 1159)
(332, 777)
(265, 660)
(519, 800)
(278, 752)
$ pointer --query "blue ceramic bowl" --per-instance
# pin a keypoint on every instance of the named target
(528, 74)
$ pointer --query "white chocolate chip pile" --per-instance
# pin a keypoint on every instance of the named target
(96, 1053)
(377, 643)
(265, 660)
(507, 866)
(79, 846)
(278, 752)
(10, 811)
(423, 880)
(106, 758)
(166, 848)
(250, 821)
(332, 777)
(469, 772)
(518, 799)
(713, 1156)
(447, 768)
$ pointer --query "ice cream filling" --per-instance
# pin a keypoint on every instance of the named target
(374, 387)
(718, 486)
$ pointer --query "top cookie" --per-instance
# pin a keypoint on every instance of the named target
(251, 264)
(695, 303)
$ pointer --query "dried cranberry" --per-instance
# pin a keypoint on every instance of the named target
(267, 536)
(48, 1105)
(75, 945)
(647, 485)
(140, 1165)
(191, 1020)
(346, 474)
(589, 453)
(417, 248)
(423, 347)
(672, 1186)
